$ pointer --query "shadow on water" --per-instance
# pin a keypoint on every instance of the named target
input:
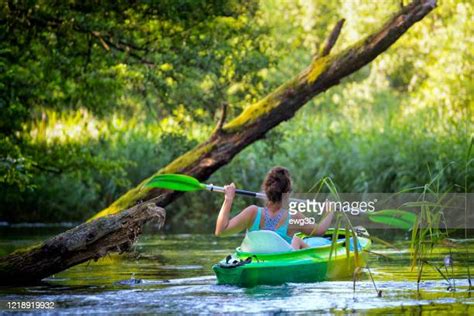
(172, 273)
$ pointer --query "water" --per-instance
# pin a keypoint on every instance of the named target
(172, 274)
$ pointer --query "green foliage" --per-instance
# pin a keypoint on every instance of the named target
(94, 98)
(69, 64)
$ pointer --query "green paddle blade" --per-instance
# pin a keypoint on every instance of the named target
(394, 218)
(176, 182)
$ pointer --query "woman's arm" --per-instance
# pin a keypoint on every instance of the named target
(317, 229)
(226, 227)
(320, 228)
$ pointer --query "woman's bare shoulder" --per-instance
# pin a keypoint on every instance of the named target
(250, 212)
(251, 209)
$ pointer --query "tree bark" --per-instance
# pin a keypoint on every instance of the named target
(325, 71)
(93, 240)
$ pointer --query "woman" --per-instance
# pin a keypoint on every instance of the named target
(272, 217)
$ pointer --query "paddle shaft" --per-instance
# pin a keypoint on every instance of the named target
(258, 195)
(215, 188)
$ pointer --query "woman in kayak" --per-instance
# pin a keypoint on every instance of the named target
(272, 217)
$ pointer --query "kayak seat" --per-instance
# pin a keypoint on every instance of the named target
(264, 241)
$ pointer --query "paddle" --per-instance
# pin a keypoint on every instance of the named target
(396, 218)
(184, 183)
(180, 182)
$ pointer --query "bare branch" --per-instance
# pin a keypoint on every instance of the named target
(331, 41)
(101, 40)
(221, 121)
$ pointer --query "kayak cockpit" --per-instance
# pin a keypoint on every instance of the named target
(268, 243)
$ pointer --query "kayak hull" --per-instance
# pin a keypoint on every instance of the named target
(300, 266)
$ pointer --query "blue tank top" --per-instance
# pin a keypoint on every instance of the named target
(282, 230)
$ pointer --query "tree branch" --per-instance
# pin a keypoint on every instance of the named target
(221, 121)
(120, 46)
(104, 39)
(101, 40)
(331, 41)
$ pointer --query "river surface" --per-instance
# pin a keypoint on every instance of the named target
(172, 274)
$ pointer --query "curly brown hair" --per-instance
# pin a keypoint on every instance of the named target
(277, 182)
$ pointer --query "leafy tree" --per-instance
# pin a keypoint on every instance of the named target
(149, 60)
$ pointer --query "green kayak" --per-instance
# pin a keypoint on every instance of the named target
(323, 261)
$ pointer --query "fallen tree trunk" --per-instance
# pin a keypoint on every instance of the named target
(89, 241)
(325, 71)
